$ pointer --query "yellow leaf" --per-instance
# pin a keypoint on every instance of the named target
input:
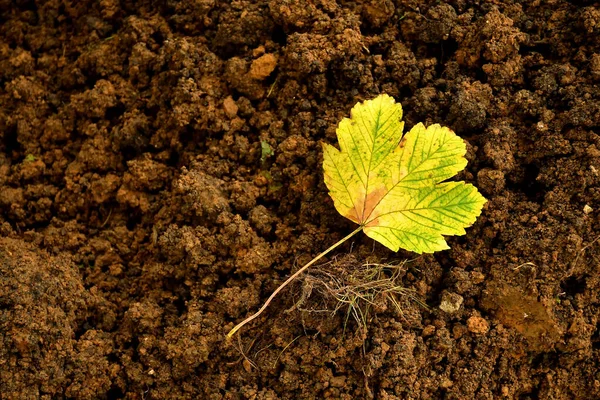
(390, 183)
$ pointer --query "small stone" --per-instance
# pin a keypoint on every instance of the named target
(263, 66)
(587, 209)
(477, 325)
(451, 302)
(230, 107)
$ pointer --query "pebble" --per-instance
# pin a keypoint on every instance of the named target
(451, 302)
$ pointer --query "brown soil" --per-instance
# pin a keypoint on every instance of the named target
(141, 217)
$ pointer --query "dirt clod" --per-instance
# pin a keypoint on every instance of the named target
(140, 217)
(477, 325)
(263, 66)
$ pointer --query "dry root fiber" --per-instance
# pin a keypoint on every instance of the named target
(355, 288)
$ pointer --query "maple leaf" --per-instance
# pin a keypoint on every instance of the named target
(392, 184)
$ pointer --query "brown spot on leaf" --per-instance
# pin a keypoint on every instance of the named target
(372, 201)
(365, 207)
(353, 214)
(372, 223)
(402, 143)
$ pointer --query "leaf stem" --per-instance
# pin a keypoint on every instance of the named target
(289, 280)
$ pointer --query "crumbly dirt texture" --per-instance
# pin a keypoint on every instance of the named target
(160, 175)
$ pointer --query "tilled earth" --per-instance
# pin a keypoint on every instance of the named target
(160, 175)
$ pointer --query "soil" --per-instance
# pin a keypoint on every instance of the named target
(160, 175)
